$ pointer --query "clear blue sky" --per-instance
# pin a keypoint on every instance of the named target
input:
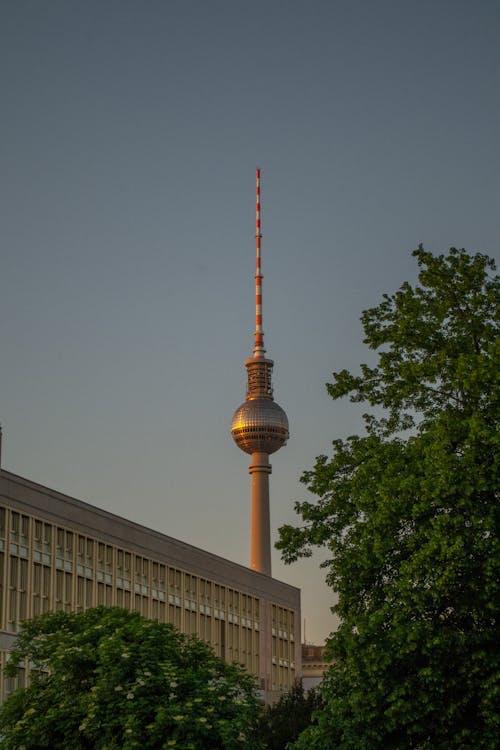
(129, 136)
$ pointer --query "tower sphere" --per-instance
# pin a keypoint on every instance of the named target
(259, 425)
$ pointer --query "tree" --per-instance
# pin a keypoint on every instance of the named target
(108, 679)
(282, 722)
(409, 512)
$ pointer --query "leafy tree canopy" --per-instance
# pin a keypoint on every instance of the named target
(409, 512)
(109, 679)
(282, 722)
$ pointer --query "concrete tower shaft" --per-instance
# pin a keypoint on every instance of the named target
(259, 426)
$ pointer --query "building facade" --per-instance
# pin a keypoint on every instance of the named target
(314, 665)
(57, 552)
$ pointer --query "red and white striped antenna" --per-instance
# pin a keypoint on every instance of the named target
(259, 333)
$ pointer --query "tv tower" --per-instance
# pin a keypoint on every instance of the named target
(259, 426)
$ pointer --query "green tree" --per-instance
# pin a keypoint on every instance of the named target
(281, 723)
(108, 679)
(409, 512)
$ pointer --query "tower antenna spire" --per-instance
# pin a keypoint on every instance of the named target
(259, 350)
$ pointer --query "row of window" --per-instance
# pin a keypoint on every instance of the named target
(89, 558)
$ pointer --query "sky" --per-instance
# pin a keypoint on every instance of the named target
(129, 137)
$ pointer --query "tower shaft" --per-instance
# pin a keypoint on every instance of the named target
(260, 533)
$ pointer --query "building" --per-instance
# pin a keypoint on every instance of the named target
(57, 552)
(314, 665)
